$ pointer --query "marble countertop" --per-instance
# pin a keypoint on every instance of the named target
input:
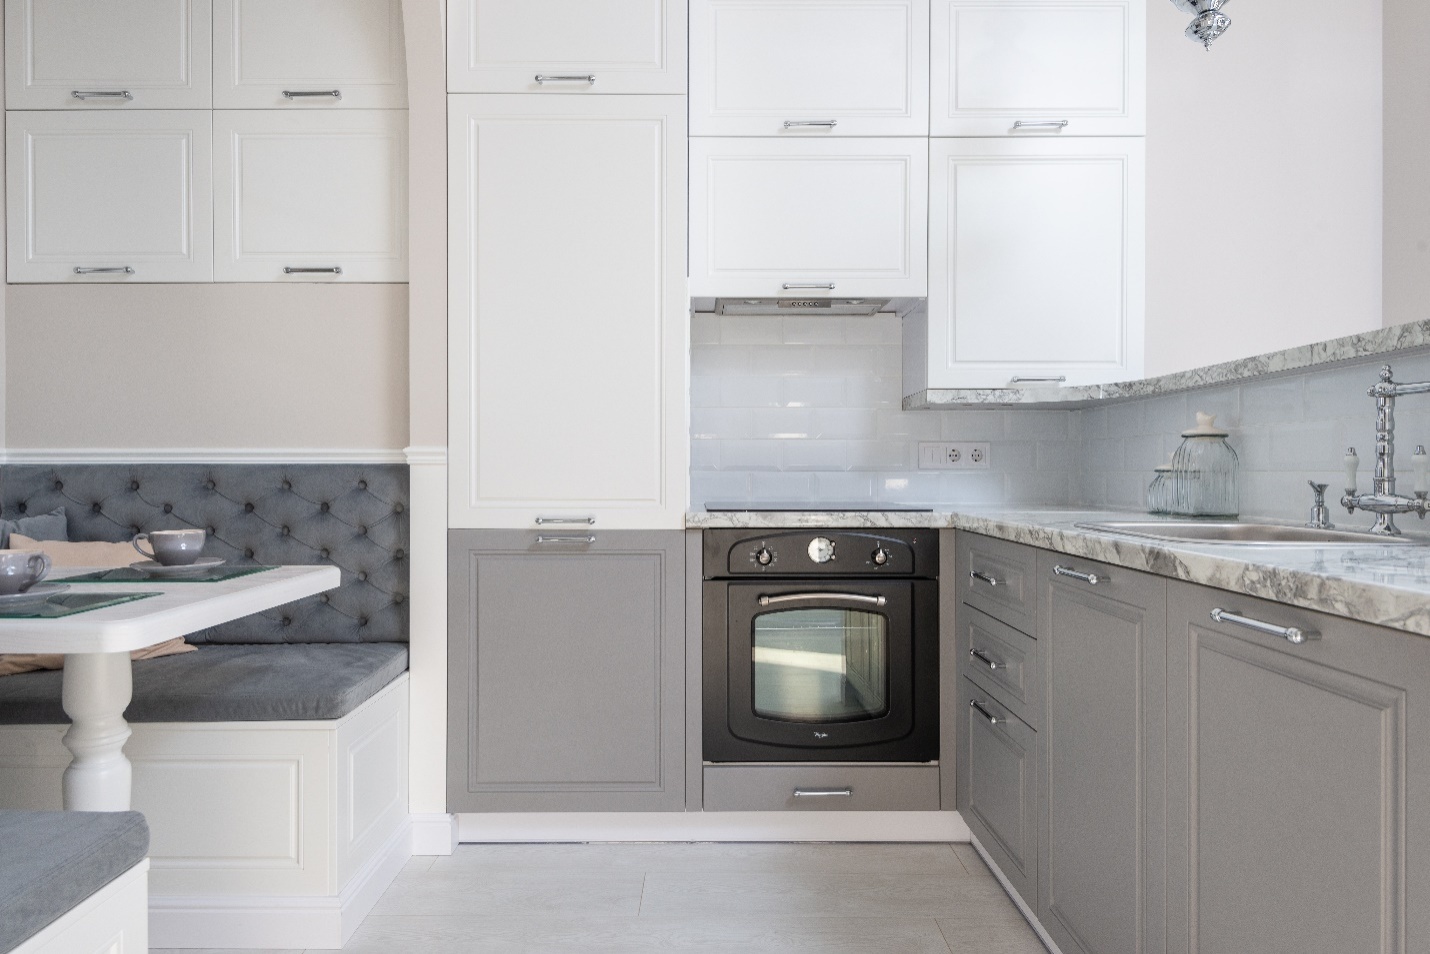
(1387, 585)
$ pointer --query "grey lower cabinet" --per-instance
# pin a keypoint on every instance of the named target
(1299, 783)
(1102, 631)
(566, 672)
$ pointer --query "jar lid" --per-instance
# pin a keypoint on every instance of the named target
(1162, 469)
(1206, 427)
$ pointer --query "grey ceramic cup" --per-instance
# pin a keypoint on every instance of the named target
(172, 547)
(21, 569)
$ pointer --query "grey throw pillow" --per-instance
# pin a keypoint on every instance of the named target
(44, 526)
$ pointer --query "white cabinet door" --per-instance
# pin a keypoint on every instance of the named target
(129, 194)
(566, 46)
(569, 310)
(309, 49)
(311, 193)
(782, 217)
(1036, 261)
(809, 68)
(87, 54)
(1068, 67)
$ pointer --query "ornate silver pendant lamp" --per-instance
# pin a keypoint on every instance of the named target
(1210, 22)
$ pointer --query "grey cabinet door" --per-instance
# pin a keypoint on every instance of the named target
(566, 678)
(998, 786)
(1300, 795)
(1102, 864)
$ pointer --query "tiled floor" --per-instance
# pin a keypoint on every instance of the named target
(710, 898)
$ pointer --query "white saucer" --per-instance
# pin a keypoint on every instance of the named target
(35, 594)
(158, 569)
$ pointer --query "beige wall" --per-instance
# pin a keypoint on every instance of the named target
(1264, 179)
(1407, 161)
(206, 366)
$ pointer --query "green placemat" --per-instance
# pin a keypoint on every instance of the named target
(125, 574)
(68, 604)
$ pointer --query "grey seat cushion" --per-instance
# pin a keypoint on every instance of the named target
(217, 683)
(52, 861)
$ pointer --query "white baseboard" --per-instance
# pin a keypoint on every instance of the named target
(1027, 912)
(434, 834)
(712, 826)
(322, 923)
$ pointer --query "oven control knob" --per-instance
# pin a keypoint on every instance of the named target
(763, 556)
(821, 549)
(880, 556)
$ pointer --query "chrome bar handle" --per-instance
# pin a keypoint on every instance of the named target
(103, 270)
(978, 706)
(1049, 380)
(587, 78)
(325, 270)
(826, 123)
(1091, 579)
(984, 658)
(798, 286)
(982, 577)
(1025, 124)
(823, 793)
(306, 93)
(584, 539)
(548, 521)
(805, 597)
(1292, 634)
(101, 94)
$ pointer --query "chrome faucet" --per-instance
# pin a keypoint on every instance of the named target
(1320, 514)
(1383, 501)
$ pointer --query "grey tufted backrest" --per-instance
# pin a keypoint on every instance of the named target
(353, 516)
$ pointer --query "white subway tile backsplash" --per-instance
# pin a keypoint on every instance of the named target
(814, 391)
(781, 485)
(817, 455)
(751, 455)
(716, 423)
(1278, 401)
(844, 486)
(974, 425)
(814, 330)
(749, 330)
(1037, 425)
(853, 422)
(747, 390)
(785, 423)
(913, 425)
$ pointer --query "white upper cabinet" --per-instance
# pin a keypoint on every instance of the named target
(1059, 67)
(310, 197)
(103, 54)
(316, 54)
(1036, 252)
(809, 68)
(782, 217)
(566, 46)
(569, 313)
(97, 196)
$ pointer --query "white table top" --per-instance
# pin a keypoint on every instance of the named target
(179, 609)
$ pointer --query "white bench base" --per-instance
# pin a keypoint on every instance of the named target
(113, 920)
(263, 834)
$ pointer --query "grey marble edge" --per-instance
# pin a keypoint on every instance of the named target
(1412, 335)
(1397, 607)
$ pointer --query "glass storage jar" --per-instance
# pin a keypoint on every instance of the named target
(1204, 473)
(1159, 492)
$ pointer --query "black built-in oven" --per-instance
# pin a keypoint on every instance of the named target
(821, 645)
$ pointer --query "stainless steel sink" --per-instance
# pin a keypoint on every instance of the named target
(1257, 534)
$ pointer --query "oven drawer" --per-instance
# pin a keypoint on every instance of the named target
(997, 577)
(764, 788)
(1001, 661)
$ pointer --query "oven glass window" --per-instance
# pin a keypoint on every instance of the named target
(821, 665)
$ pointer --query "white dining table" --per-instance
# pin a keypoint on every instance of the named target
(98, 682)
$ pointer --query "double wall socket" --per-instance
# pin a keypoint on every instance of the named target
(957, 456)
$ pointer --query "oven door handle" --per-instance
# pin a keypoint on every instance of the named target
(804, 597)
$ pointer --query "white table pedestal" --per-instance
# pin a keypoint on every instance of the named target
(97, 688)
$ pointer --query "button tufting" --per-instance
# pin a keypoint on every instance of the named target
(212, 531)
(285, 531)
(248, 552)
(398, 598)
(326, 598)
(133, 529)
(95, 508)
(362, 530)
(210, 485)
(323, 553)
(287, 621)
(324, 507)
(362, 485)
(362, 620)
(362, 575)
(59, 485)
(168, 508)
(21, 506)
(287, 485)
(399, 508)
(134, 485)
(399, 553)
(248, 508)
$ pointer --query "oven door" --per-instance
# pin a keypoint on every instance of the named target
(820, 666)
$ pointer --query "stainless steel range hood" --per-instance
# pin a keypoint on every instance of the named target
(800, 306)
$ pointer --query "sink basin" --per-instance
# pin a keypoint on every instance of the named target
(1258, 534)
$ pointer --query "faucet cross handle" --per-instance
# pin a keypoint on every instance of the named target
(1320, 516)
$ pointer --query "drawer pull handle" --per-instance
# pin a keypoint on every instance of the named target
(986, 659)
(101, 94)
(982, 577)
(808, 286)
(823, 793)
(588, 78)
(1025, 124)
(1292, 634)
(978, 706)
(802, 597)
(583, 539)
(303, 270)
(583, 521)
(1060, 379)
(105, 270)
(305, 93)
(826, 123)
(1091, 579)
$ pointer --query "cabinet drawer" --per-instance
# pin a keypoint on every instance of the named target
(1001, 661)
(998, 786)
(755, 788)
(996, 577)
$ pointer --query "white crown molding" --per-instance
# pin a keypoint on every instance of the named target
(201, 455)
(713, 826)
(431, 454)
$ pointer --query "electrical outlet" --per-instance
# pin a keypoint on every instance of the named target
(962, 455)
